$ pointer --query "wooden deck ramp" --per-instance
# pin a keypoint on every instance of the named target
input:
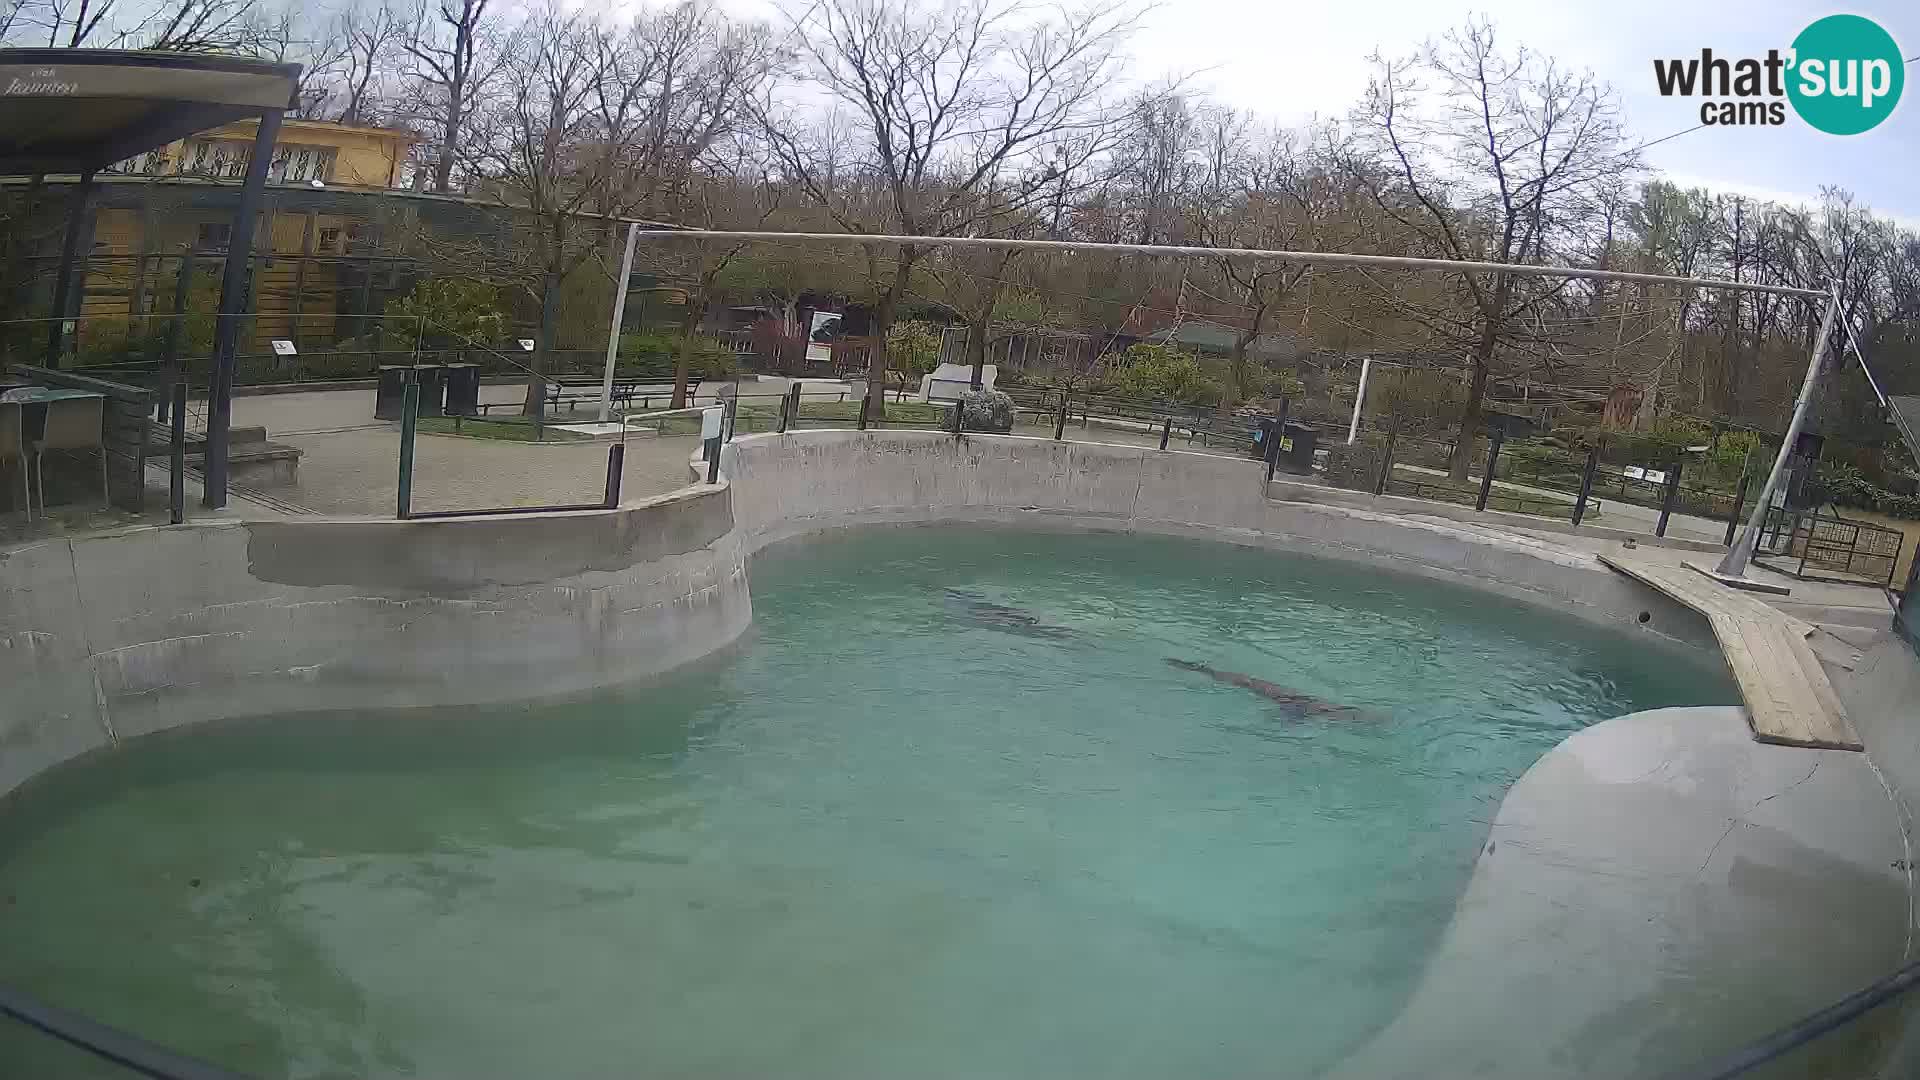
(1789, 699)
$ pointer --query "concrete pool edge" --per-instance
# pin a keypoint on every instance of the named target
(799, 484)
(104, 638)
(142, 630)
(793, 485)
(1656, 890)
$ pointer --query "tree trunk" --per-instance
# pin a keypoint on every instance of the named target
(883, 313)
(1237, 371)
(1463, 446)
(1644, 415)
(877, 356)
(684, 360)
(536, 401)
(449, 138)
(977, 330)
(1462, 458)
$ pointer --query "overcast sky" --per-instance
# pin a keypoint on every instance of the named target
(1294, 60)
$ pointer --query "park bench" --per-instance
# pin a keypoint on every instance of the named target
(571, 391)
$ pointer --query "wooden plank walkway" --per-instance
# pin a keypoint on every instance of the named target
(1789, 699)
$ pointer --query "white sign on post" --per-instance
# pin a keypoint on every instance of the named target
(819, 336)
(526, 344)
(283, 347)
(710, 422)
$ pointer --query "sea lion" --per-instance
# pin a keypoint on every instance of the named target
(994, 616)
(1301, 703)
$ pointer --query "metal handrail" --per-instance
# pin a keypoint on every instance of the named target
(130, 1051)
(1808, 1028)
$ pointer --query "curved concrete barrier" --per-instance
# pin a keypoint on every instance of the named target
(107, 637)
(805, 482)
(1656, 892)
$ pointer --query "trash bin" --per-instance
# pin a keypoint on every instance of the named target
(1296, 447)
(433, 388)
(463, 389)
(390, 395)
(1263, 429)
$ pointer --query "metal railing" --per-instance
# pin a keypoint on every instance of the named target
(130, 1052)
(1531, 479)
(1813, 547)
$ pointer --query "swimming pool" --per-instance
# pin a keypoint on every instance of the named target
(947, 811)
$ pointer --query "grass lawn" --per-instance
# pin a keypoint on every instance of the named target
(505, 430)
(1428, 485)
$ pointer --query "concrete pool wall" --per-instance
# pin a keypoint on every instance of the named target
(800, 483)
(1656, 848)
(103, 638)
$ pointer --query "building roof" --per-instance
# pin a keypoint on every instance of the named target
(74, 110)
(292, 125)
(1201, 334)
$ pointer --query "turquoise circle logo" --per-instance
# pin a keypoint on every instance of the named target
(1847, 74)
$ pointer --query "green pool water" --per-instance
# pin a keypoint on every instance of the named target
(897, 832)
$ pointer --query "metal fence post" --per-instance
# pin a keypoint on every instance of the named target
(959, 418)
(1739, 498)
(793, 414)
(786, 401)
(865, 403)
(1386, 461)
(1666, 504)
(1586, 485)
(713, 460)
(1493, 459)
(1060, 422)
(1166, 432)
(177, 465)
(616, 466)
(733, 412)
(409, 413)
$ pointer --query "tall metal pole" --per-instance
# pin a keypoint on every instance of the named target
(233, 297)
(1734, 563)
(1359, 397)
(619, 316)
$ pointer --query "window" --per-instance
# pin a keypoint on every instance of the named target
(215, 157)
(214, 236)
(148, 164)
(227, 160)
(300, 164)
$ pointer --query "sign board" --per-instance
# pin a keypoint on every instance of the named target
(283, 347)
(821, 330)
(526, 344)
(710, 423)
(1651, 476)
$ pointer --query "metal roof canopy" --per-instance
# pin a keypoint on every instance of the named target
(81, 110)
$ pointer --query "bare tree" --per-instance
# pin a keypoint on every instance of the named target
(451, 55)
(934, 106)
(1273, 191)
(1504, 167)
(371, 34)
(291, 36)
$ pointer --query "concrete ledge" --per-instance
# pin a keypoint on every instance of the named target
(1657, 891)
(111, 636)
